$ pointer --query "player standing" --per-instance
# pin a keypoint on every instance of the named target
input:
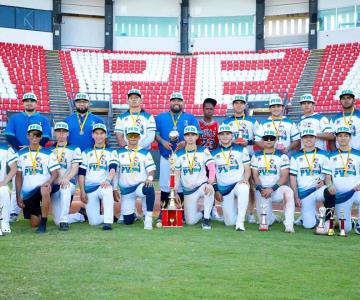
(270, 171)
(135, 177)
(96, 172)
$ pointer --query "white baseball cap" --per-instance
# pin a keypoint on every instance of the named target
(190, 129)
(308, 131)
(239, 98)
(342, 129)
(224, 128)
(307, 98)
(134, 91)
(30, 96)
(82, 96)
(34, 127)
(61, 125)
(134, 129)
(99, 126)
(276, 100)
(177, 95)
(269, 132)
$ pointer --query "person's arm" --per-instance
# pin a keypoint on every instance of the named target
(160, 140)
(149, 138)
(10, 174)
(326, 136)
(295, 145)
(293, 185)
(83, 195)
(13, 141)
(73, 171)
(46, 132)
(247, 174)
(18, 186)
(54, 175)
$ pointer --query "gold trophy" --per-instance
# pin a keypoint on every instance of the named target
(263, 220)
(172, 198)
(342, 223)
(331, 223)
(1, 218)
(320, 229)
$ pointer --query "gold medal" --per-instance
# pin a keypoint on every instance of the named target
(98, 158)
(81, 132)
(82, 124)
(33, 160)
(346, 163)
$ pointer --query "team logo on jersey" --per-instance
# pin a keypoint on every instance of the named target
(29, 170)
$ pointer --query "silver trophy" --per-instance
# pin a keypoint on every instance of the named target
(174, 135)
(320, 229)
(263, 220)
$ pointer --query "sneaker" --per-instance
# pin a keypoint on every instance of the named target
(357, 228)
(206, 225)
(277, 219)
(5, 227)
(63, 226)
(251, 219)
(298, 221)
(240, 226)
(120, 220)
(215, 215)
(148, 223)
(289, 229)
(107, 226)
(13, 218)
(41, 229)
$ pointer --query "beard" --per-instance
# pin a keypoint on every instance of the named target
(81, 110)
(175, 109)
(30, 110)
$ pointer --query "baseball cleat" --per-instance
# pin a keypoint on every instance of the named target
(41, 229)
(148, 223)
(251, 219)
(289, 229)
(13, 218)
(215, 215)
(298, 221)
(357, 228)
(206, 225)
(63, 226)
(5, 227)
(240, 226)
(107, 226)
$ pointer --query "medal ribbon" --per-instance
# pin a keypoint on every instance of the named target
(227, 159)
(132, 160)
(346, 165)
(137, 117)
(58, 156)
(311, 167)
(192, 162)
(33, 161)
(82, 124)
(348, 123)
(276, 128)
(177, 119)
(267, 162)
(237, 121)
(99, 157)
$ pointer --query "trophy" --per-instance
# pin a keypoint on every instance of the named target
(171, 215)
(263, 220)
(1, 218)
(331, 223)
(174, 135)
(342, 223)
(321, 227)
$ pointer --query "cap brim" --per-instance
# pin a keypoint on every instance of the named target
(134, 94)
(266, 136)
(35, 130)
(100, 129)
(308, 135)
(132, 133)
(342, 132)
(29, 99)
(352, 95)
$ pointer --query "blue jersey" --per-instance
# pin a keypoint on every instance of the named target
(85, 140)
(164, 124)
(18, 124)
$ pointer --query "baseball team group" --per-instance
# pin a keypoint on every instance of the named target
(244, 163)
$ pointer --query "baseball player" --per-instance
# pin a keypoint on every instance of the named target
(69, 158)
(287, 132)
(8, 158)
(345, 170)
(134, 178)
(37, 170)
(309, 177)
(96, 173)
(349, 117)
(81, 122)
(270, 171)
(191, 164)
(316, 121)
(135, 116)
(243, 128)
(232, 175)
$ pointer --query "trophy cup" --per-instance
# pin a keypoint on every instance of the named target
(320, 229)
(263, 220)
(1, 218)
(342, 223)
(171, 215)
(331, 223)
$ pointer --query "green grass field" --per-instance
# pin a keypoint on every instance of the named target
(182, 263)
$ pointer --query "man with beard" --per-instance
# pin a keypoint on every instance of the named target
(170, 137)
(16, 135)
(81, 122)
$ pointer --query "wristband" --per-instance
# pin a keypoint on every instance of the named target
(275, 187)
(151, 178)
(259, 187)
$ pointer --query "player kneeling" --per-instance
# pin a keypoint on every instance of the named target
(96, 173)
(309, 170)
(37, 169)
(69, 157)
(191, 163)
(232, 176)
(270, 171)
(8, 158)
(135, 178)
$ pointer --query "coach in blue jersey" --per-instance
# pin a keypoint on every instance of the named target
(170, 137)
(81, 122)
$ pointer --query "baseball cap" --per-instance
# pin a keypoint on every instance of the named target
(30, 96)
(224, 128)
(308, 131)
(134, 129)
(61, 125)
(269, 132)
(347, 92)
(82, 96)
(190, 129)
(34, 127)
(99, 126)
(177, 95)
(307, 98)
(239, 98)
(134, 91)
(343, 129)
(210, 100)
(275, 101)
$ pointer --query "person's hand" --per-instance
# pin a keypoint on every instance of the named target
(219, 197)
(47, 185)
(20, 202)
(105, 184)
(319, 184)
(180, 145)
(209, 189)
(148, 182)
(2, 183)
(297, 201)
(241, 142)
(332, 189)
(83, 197)
(266, 192)
(64, 183)
(246, 181)
(166, 145)
(357, 187)
(116, 196)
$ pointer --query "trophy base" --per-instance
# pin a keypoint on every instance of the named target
(172, 217)
(342, 234)
(263, 228)
(331, 232)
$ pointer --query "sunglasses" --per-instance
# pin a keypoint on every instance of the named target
(35, 134)
(269, 138)
(132, 135)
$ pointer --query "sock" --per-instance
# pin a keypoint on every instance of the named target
(43, 221)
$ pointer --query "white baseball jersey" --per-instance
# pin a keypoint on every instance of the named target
(71, 154)
(340, 120)
(144, 121)
(230, 163)
(343, 183)
(134, 168)
(97, 166)
(193, 177)
(319, 123)
(286, 129)
(276, 162)
(7, 157)
(33, 178)
(305, 178)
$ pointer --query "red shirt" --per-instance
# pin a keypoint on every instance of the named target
(209, 138)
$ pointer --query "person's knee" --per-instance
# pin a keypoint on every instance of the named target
(34, 221)
(129, 219)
